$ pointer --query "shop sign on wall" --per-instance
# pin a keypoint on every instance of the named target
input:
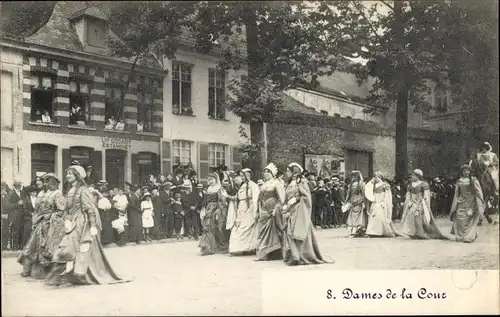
(116, 143)
(325, 166)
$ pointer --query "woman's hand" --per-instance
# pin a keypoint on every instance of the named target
(93, 231)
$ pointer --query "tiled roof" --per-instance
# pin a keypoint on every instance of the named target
(293, 105)
(58, 31)
(345, 85)
(90, 11)
(23, 18)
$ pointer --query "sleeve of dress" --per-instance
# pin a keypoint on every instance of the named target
(90, 209)
(280, 190)
(427, 195)
(455, 201)
(59, 200)
(255, 198)
(494, 161)
(388, 201)
(479, 196)
(305, 194)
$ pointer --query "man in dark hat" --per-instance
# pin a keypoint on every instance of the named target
(5, 215)
(189, 201)
(134, 214)
(166, 196)
(178, 179)
(29, 207)
(157, 231)
(16, 212)
(91, 177)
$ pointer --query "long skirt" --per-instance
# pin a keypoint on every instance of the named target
(107, 233)
(85, 253)
(379, 224)
(357, 220)
(297, 252)
(465, 225)
(245, 232)
(37, 254)
(270, 236)
(212, 240)
(414, 226)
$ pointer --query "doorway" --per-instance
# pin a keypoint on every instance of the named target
(115, 168)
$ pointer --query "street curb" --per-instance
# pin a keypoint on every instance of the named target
(14, 254)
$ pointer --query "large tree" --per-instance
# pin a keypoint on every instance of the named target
(472, 40)
(281, 48)
(402, 43)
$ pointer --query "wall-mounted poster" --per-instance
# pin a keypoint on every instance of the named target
(325, 166)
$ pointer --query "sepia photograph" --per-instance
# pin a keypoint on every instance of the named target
(249, 158)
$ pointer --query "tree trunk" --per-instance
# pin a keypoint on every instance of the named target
(256, 127)
(402, 102)
(127, 84)
(402, 135)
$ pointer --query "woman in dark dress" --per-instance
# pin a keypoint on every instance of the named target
(212, 240)
(80, 258)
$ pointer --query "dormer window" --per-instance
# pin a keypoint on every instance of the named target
(97, 32)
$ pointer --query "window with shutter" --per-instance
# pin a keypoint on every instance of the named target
(361, 161)
(43, 158)
(203, 154)
(166, 159)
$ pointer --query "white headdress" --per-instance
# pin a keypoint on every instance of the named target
(418, 172)
(271, 167)
(80, 170)
(291, 165)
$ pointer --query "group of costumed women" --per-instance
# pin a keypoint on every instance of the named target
(273, 221)
(370, 208)
(65, 242)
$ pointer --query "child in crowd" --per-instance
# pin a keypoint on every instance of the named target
(147, 215)
(178, 215)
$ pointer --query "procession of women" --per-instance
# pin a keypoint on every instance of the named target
(268, 220)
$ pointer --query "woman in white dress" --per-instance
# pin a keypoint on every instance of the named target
(147, 215)
(245, 231)
(378, 193)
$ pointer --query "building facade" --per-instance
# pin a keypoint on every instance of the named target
(197, 128)
(62, 90)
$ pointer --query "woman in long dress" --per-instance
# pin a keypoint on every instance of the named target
(80, 257)
(467, 207)
(245, 232)
(271, 199)
(300, 245)
(378, 192)
(418, 221)
(212, 240)
(48, 230)
(357, 217)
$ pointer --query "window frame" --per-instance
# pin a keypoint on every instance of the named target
(179, 106)
(80, 95)
(216, 83)
(144, 108)
(177, 146)
(101, 43)
(41, 89)
(115, 102)
(212, 156)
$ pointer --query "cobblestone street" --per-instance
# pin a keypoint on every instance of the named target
(173, 279)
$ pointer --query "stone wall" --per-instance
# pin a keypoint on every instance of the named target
(294, 134)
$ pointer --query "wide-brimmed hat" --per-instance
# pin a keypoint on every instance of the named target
(146, 195)
(80, 170)
(464, 167)
(18, 183)
(199, 186)
(102, 182)
(226, 183)
(50, 175)
(167, 185)
(187, 184)
(297, 165)
(418, 172)
(30, 189)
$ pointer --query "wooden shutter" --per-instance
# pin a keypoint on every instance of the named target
(236, 158)
(135, 168)
(166, 158)
(203, 160)
(156, 163)
(66, 159)
(96, 162)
